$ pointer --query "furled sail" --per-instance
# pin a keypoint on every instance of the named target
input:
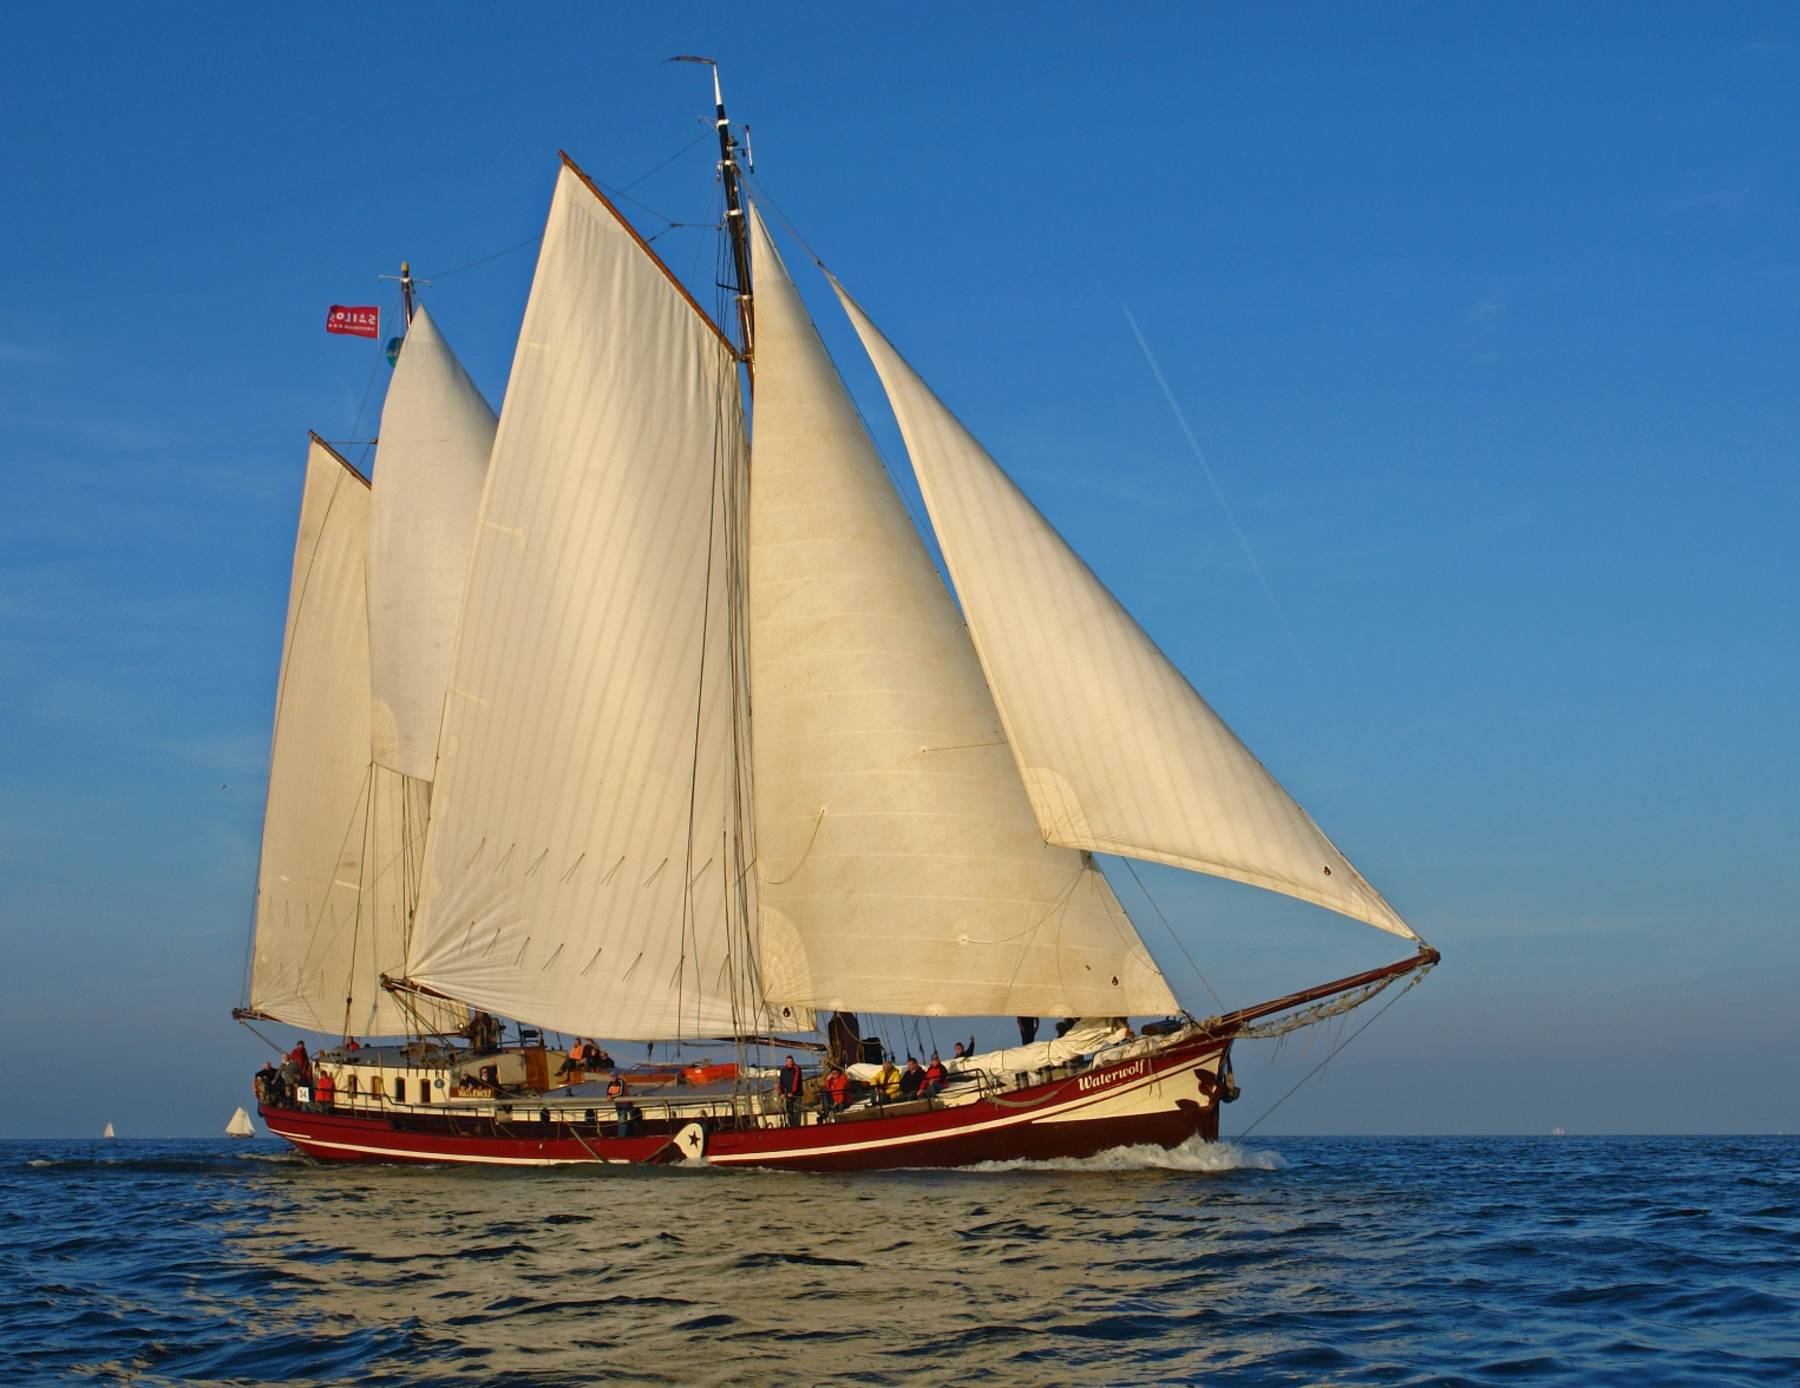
(585, 846)
(1117, 750)
(900, 867)
(339, 833)
(436, 435)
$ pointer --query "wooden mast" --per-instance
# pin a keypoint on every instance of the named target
(735, 221)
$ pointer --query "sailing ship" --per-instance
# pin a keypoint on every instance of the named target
(107, 1132)
(609, 719)
(240, 1124)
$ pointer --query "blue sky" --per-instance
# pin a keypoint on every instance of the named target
(1484, 316)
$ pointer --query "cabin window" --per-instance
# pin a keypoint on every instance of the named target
(399, 1089)
(377, 1086)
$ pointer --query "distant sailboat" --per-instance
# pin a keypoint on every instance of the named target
(1558, 1131)
(240, 1125)
(109, 1131)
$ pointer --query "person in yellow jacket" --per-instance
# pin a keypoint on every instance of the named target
(886, 1082)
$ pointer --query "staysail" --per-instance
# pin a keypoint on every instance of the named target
(586, 845)
(436, 434)
(338, 830)
(1118, 752)
(900, 868)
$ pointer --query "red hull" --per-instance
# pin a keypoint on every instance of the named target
(1162, 1100)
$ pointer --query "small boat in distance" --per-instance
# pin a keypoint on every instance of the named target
(108, 1132)
(605, 719)
(240, 1125)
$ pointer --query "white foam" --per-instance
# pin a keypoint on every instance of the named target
(1195, 1154)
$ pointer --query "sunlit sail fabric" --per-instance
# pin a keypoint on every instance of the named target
(330, 903)
(582, 842)
(436, 435)
(1117, 750)
(900, 867)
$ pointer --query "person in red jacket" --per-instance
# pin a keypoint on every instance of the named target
(324, 1090)
(935, 1075)
(836, 1089)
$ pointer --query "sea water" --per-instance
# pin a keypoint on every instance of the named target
(1568, 1260)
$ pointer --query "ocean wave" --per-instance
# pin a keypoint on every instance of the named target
(1194, 1155)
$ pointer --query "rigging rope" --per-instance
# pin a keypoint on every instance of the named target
(1336, 1050)
(1132, 869)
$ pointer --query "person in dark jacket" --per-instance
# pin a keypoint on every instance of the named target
(792, 1083)
(910, 1079)
(1027, 1030)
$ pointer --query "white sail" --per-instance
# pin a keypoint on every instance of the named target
(340, 835)
(1117, 750)
(108, 1131)
(900, 867)
(436, 435)
(240, 1125)
(584, 848)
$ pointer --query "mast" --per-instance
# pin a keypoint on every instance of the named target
(734, 210)
(406, 289)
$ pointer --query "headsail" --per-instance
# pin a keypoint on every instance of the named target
(436, 435)
(900, 868)
(1117, 750)
(338, 830)
(585, 842)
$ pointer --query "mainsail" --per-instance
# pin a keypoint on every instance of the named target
(436, 435)
(586, 852)
(900, 868)
(338, 830)
(1118, 752)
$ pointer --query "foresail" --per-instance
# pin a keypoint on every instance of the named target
(1117, 750)
(585, 855)
(338, 835)
(899, 866)
(436, 435)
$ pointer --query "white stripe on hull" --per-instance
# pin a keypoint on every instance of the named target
(303, 1142)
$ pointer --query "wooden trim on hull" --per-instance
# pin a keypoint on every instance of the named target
(1161, 1099)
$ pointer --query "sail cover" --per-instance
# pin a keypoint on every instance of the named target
(338, 833)
(436, 435)
(1118, 752)
(584, 843)
(900, 868)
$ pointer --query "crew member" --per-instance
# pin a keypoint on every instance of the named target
(911, 1078)
(791, 1085)
(1027, 1030)
(324, 1091)
(836, 1089)
(935, 1075)
(886, 1083)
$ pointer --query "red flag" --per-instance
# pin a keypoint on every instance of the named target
(358, 322)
